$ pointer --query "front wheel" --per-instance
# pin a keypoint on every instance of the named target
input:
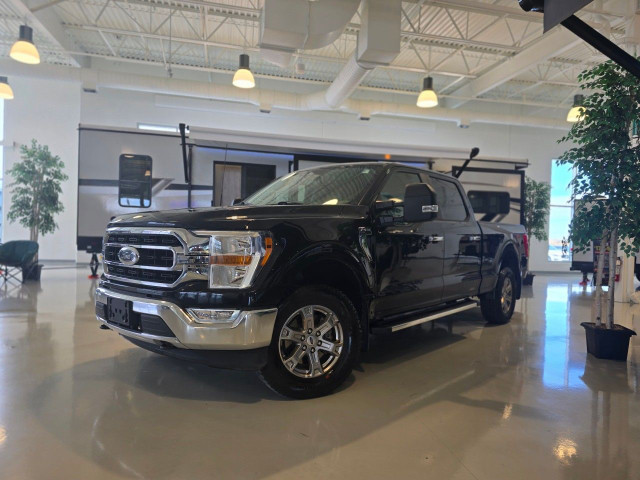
(497, 306)
(316, 339)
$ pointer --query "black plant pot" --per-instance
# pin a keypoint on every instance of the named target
(32, 272)
(528, 279)
(609, 344)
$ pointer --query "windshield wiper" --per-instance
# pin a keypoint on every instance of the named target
(286, 203)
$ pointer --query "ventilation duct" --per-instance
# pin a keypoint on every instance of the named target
(378, 39)
(266, 99)
(290, 25)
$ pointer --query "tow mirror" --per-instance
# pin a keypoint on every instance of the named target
(420, 203)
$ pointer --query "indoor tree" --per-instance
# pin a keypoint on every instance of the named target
(35, 196)
(606, 162)
(537, 197)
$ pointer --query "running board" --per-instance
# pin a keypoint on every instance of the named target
(459, 307)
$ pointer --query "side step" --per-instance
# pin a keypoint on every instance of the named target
(451, 310)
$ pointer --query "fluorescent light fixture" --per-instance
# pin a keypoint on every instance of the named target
(427, 97)
(157, 128)
(243, 77)
(24, 50)
(6, 92)
(577, 111)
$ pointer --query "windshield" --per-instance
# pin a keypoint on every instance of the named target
(339, 185)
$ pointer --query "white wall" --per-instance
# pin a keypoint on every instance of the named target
(48, 111)
(126, 109)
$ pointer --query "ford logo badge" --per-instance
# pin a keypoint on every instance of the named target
(128, 255)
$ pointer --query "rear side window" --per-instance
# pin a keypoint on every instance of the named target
(449, 200)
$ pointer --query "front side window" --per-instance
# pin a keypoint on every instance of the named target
(394, 188)
(449, 200)
(336, 185)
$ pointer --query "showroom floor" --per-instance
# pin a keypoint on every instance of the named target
(519, 401)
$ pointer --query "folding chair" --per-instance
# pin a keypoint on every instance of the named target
(15, 257)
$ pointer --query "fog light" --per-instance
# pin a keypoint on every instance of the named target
(219, 318)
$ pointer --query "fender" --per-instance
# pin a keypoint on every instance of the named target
(332, 252)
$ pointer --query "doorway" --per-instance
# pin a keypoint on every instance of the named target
(239, 180)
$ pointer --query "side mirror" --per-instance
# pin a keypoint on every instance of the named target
(236, 201)
(420, 203)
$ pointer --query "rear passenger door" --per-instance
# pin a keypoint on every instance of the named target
(462, 241)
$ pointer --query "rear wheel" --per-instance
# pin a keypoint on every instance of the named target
(315, 342)
(498, 305)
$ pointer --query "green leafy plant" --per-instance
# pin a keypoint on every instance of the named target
(35, 196)
(537, 197)
(606, 161)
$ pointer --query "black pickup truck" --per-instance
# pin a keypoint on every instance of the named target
(294, 280)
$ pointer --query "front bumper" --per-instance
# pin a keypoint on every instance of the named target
(254, 329)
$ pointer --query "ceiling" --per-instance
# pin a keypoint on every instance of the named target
(480, 51)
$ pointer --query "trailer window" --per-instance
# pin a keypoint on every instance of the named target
(134, 186)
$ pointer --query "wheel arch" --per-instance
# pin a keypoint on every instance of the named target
(337, 267)
(509, 258)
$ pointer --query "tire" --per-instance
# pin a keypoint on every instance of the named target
(302, 365)
(497, 306)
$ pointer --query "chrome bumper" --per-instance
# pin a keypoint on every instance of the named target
(254, 330)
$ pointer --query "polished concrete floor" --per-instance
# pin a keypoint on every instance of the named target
(519, 401)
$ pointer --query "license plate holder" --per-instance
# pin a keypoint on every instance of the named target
(119, 312)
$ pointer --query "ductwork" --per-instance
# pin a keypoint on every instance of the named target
(267, 99)
(291, 25)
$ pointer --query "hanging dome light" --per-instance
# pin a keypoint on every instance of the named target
(24, 50)
(6, 93)
(577, 111)
(243, 77)
(427, 97)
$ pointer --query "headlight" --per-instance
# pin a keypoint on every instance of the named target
(235, 257)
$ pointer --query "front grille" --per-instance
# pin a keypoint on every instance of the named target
(149, 257)
(143, 239)
(166, 257)
(155, 276)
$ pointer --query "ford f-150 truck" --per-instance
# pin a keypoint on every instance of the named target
(293, 280)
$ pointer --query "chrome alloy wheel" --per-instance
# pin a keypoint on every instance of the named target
(506, 296)
(310, 341)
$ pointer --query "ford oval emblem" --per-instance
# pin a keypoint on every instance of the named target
(128, 256)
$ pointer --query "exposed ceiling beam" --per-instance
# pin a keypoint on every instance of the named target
(47, 23)
(550, 45)
(209, 43)
(500, 10)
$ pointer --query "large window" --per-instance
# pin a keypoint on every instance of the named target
(1, 162)
(561, 213)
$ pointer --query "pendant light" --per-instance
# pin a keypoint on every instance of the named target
(24, 50)
(577, 111)
(6, 93)
(243, 77)
(427, 97)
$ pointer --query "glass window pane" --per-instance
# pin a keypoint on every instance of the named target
(449, 200)
(561, 176)
(559, 220)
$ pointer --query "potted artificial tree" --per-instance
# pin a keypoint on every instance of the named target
(35, 196)
(537, 197)
(606, 161)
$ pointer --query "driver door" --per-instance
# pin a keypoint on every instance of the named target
(409, 256)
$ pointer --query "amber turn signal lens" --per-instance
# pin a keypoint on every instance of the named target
(268, 246)
(230, 260)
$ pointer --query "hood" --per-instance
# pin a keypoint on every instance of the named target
(236, 217)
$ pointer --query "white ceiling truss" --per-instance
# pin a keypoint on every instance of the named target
(476, 50)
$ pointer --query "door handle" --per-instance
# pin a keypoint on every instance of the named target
(435, 238)
(475, 238)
